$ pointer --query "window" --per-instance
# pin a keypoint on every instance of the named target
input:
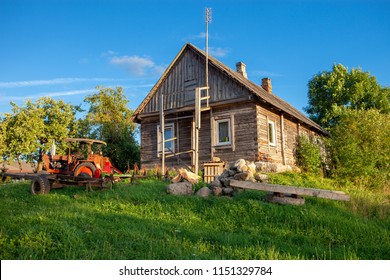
(169, 133)
(223, 132)
(271, 133)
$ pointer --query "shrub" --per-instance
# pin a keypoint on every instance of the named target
(360, 148)
(308, 154)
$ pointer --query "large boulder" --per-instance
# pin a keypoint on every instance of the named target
(204, 192)
(181, 188)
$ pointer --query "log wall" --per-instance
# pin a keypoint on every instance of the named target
(243, 128)
(283, 151)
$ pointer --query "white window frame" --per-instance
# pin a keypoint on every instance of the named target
(217, 122)
(167, 126)
(271, 133)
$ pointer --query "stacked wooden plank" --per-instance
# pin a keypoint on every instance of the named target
(289, 193)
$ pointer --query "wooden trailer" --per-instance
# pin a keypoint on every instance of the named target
(42, 183)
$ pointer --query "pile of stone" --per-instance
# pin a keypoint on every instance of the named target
(241, 170)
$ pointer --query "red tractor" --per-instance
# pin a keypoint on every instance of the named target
(88, 164)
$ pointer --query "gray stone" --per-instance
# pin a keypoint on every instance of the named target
(243, 176)
(227, 191)
(204, 192)
(227, 173)
(262, 178)
(262, 166)
(225, 182)
(181, 188)
(217, 191)
(216, 183)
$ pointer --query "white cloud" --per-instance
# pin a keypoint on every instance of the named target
(201, 35)
(50, 94)
(56, 81)
(218, 52)
(136, 65)
(108, 53)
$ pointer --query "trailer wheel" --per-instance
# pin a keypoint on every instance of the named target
(40, 185)
(85, 169)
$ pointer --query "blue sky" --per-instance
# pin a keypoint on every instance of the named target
(65, 49)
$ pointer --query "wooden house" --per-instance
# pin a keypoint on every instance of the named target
(242, 119)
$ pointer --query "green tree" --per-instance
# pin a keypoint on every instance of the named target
(59, 122)
(23, 129)
(109, 119)
(3, 129)
(360, 147)
(330, 92)
(30, 129)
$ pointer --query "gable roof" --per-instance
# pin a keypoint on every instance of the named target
(258, 91)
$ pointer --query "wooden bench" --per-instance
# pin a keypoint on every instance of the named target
(289, 194)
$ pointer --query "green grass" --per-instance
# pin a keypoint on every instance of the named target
(143, 222)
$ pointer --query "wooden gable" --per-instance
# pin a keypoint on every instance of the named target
(179, 81)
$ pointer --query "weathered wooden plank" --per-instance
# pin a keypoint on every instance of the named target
(334, 195)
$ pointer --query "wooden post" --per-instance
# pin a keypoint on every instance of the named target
(233, 132)
(198, 121)
(212, 134)
(193, 142)
(197, 127)
(298, 129)
(162, 128)
(283, 138)
(267, 129)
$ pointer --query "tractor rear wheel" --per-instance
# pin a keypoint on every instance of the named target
(40, 185)
(85, 169)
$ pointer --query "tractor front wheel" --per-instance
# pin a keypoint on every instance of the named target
(85, 169)
(40, 185)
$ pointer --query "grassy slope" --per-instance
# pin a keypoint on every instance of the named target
(143, 222)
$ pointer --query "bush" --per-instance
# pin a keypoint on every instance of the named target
(308, 155)
(360, 148)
